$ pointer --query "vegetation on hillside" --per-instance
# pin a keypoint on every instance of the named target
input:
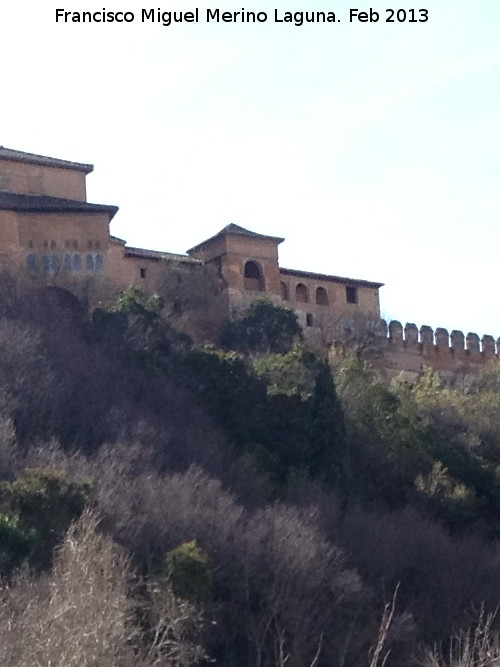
(247, 503)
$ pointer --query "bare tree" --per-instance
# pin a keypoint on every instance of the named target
(478, 646)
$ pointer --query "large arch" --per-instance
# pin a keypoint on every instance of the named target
(254, 277)
(301, 293)
(284, 291)
(322, 296)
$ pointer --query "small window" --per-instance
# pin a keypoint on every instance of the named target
(90, 245)
(142, 273)
(97, 245)
(351, 294)
(99, 263)
(309, 319)
(45, 244)
(75, 244)
(67, 244)
(321, 296)
(301, 293)
(52, 244)
(90, 264)
(284, 291)
(30, 244)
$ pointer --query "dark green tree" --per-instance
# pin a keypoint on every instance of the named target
(329, 458)
(190, 572)
(16, 543)
(45, 501)
(263, 328)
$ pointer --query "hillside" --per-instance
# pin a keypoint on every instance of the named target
(248, 503)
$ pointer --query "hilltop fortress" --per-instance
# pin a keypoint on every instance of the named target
(48, 230)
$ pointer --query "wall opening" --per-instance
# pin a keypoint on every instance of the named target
(142, 273)
(309, 320)
(284, 291)
(351, 294)
(322, 296)
(301, 293)
(254, 279)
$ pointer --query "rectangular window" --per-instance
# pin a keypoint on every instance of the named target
(76, 263)
(309, 319)
(31, 263)
(142, 273)
(351, 294)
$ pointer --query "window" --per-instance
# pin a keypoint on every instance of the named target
(301, 293)
(72, 263)
(52, 244)
(321, 296)
(309, 319)
(76, 263)
(351, 294)
(30, 244)
(142, 273)
(94, 263)
(254, 280)
(284, 291)
(31, 263)
(51, 263)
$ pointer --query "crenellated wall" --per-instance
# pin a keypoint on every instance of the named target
(410, 349)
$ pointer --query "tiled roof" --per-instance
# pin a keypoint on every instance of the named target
(11, 201)
(324, 276)
(236, 230)
(158, 255)
(32, 158)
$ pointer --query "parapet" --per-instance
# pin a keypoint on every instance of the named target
(410, 348)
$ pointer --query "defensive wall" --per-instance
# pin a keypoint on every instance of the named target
(410, 350)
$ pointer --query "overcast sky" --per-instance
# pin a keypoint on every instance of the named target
(372, 147)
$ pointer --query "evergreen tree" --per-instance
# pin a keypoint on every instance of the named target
(329, 456)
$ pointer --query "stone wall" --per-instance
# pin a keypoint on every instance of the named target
(411, 349)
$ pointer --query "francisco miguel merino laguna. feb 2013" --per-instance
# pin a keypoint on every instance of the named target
(297, 18)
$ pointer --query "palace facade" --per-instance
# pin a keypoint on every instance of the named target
(49, 231)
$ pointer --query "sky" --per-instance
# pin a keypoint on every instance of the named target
(372, 147)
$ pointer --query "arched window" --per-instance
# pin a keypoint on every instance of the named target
(321, 296)
(284, 291)
(301, 293)
(254, 280)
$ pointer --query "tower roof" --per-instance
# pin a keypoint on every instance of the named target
(236, 230)
(43, 160)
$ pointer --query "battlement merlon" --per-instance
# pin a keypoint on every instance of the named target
(410, 348)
